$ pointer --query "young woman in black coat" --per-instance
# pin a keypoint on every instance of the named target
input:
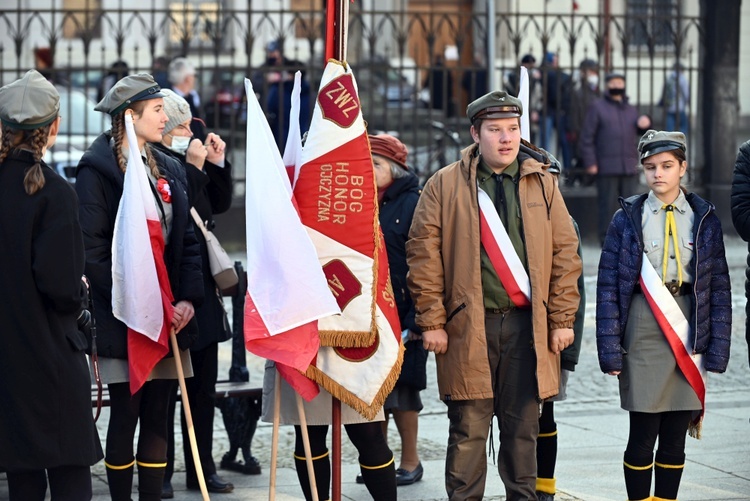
(99, 183)
(46, 426)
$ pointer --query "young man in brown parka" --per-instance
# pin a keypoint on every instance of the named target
(495, 356)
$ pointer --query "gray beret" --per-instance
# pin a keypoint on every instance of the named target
(128, 90)
(176, 108)
(496, 104)
(659, 141)
(29, 103)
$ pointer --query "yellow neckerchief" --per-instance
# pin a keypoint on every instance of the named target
(670, 228)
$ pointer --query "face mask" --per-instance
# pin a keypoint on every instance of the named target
(616, 92)
(180, 144)
(593, 80)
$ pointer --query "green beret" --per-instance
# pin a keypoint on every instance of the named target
(659, 141)
(128, 90)
(496, 104)
(29, 103)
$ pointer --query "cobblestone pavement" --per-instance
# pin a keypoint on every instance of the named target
(592, 396)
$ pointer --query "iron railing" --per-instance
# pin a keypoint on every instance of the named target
(394, 54)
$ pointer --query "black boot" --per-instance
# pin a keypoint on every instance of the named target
(546, 453)
(667, 474)
(380, 480)
(150, 479)
(638, 476)
(322, 471)
(120, 480)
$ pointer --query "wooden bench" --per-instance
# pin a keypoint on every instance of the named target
(224, 389)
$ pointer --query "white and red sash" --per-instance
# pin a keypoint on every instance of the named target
(676, 329)
(502, 254)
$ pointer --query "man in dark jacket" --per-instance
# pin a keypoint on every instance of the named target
(608, 147)
(741, 214)
(584, 94)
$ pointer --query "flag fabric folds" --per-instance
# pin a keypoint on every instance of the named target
(361, 351)
(141, 293)
(287, 291)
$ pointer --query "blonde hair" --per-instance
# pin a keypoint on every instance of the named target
(36, 141)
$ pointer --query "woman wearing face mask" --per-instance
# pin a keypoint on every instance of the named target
(209, 177)
(585, 92)
(608, 147)
(99, 184)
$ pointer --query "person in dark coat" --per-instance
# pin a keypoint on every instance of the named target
(46, 425)
(665, 238)
(398, 193)
(209, 177)
(585, 92)
(741, 216)
(99, 184)
(608, 147)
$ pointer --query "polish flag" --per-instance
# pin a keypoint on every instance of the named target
(361, 351)
(287, 290)
(293, 149)
(141, 293)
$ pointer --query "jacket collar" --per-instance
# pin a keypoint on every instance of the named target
(530, 160)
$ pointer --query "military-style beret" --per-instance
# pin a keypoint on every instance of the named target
(496, 104)
(128, 90)
(659, 141)
(29, 103)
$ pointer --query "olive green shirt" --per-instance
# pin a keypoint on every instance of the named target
(653, 220)
(495, 295)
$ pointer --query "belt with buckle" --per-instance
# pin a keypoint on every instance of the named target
(673, 287)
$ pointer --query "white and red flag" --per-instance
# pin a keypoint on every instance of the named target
(293, 149)
(141, 293)
(361, 351)
(287, 291)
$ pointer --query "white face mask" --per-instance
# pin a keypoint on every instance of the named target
(593, 80)
(180, 144)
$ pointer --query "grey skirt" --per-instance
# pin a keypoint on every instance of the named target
(317, 411)
(650, 380)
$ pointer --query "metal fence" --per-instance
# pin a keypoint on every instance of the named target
(416, 68)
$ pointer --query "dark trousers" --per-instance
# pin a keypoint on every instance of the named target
(513, 366)
(66, 483)
(609, 189)
(201, 388)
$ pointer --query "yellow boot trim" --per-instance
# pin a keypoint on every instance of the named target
(141, 464)
(670, 467)
(123, 467)
(638, 468)
(547, 435)
(546, 485)
(378, 467)
(654, 498)
(304, 458)
(650, 498)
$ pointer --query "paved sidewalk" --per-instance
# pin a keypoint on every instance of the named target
(592, 431)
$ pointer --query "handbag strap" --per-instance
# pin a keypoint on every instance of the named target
(199, 222)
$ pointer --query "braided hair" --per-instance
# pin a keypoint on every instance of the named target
(118, 134)
(34, 140)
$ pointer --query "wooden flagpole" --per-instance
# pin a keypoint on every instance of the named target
(337, 21)
(275, 436)
(188, 415)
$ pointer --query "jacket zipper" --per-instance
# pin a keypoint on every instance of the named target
(695, 280)
(455, 312)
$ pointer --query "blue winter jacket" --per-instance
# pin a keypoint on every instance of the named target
(619, 271)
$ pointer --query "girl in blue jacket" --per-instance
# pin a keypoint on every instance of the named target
(662, 385)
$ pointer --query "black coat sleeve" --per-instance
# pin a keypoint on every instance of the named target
(97, 227)
(220, 188)
(741, 192)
